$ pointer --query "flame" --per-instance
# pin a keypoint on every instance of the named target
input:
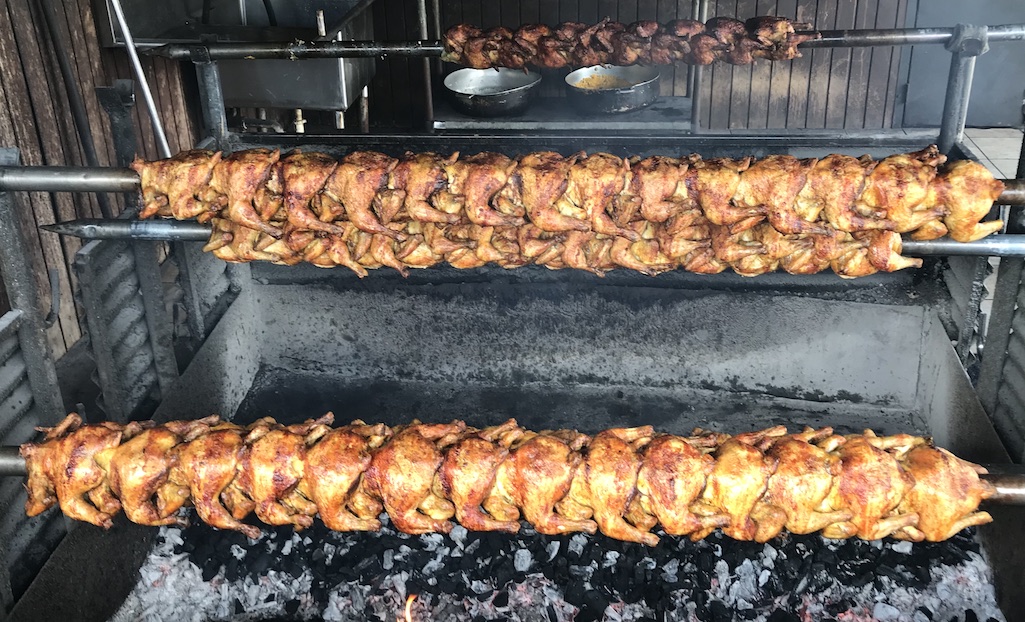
(408, 613)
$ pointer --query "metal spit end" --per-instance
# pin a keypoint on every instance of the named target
(74, 228)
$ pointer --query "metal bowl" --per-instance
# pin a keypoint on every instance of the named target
(643, 89)
(491, 92)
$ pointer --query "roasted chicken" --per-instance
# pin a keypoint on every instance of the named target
(612, 43)
(622, 481)
(591, 212)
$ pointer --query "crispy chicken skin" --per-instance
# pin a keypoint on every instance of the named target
(401, 474)
(623, 481)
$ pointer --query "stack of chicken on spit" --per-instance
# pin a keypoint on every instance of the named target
(622, 482)
(572, 44)
(592, 212)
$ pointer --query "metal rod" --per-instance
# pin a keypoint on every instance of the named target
(905, 36)
(356, 49)
(68, 179)
(147, 94)
(103, 179)
(161, 230)
(421, 18)
(993, 246)
(1010, 487)
(293, 50)
(955, 102)
(11, 462)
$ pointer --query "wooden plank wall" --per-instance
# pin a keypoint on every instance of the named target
(36, 118)
(826, 88)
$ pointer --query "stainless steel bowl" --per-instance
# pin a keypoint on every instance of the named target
(643, 89)
(491, 92)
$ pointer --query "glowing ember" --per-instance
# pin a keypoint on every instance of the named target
(408, 614)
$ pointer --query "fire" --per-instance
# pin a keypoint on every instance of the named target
(408, 613)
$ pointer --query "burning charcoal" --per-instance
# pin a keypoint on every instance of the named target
(210, 569)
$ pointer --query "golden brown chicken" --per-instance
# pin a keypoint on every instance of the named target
(473, 186)
(63, 469)
(804, 476)
(304, 176)
(671, 478)
(771, 186)
(870, 486)
(170, 187)
(413, 183)
(540, 180)
(897, 189)
(594, 182)
(352, 188)
(401, 473)
(139, 467)
(235, 181)
(834, 184)
(333, 468)
(714, 183)
(468, 472)
(968, 191)
(201, 471)
(737, 482)
(945, 495)
(537, 475)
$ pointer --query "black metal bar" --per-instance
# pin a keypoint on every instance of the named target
(421, 18)
(293, 50)
(993, 246)
(214, 116)
(11, 462)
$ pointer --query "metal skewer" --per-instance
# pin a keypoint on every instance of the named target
(191, 231)
(293, 50)
(1010, 487)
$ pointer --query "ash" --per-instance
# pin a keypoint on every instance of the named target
(200, 573)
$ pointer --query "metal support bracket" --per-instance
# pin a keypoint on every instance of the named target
(967, 43)
(214, 116)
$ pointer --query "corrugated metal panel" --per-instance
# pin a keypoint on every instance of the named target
(26, 542)
(132, 367)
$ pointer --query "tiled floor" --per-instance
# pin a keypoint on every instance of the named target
(997, 148)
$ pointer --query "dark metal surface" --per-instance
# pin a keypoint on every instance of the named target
(11, 462)
(67, 179)
(140, 76)
(965, 45)
(1006, 245)
(212, 101)
(643, 89)
(490, 92)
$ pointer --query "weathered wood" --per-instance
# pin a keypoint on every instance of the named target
(879, 70)
(839, 70)
(818, 83)
(892, 83)
(780, 76)
(854, 114)
(38, 108)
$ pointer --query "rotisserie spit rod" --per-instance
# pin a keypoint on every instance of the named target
(622, 481)
(191, 231)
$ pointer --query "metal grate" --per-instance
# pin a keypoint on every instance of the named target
(1002, 377)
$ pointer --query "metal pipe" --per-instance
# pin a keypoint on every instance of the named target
(147, 94)
(421, 18)
(11, 462)
(993, 246)
(160, 230)
(68, 179)
(360, 49)
(103, 179)
(955, 102)
(294, 50)
(905, 36)
(1010, 488)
